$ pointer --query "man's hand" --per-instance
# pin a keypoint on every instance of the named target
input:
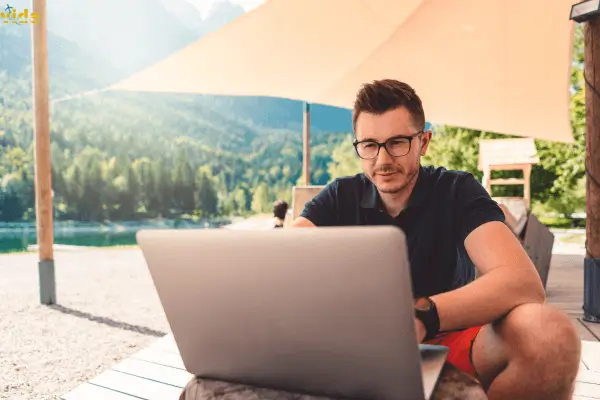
(421, 331)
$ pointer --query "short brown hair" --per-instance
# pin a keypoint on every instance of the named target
(384, 95)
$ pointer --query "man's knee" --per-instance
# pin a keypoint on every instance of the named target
(540, 335)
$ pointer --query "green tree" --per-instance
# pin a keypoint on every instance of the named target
(344, 161)
(75, 188)
(208, 200)
(242, 200)
(145, 177)
(184, 187)
(12, 207)
(571, 201)
(162, 199)
(562, 166)
(261, 199)
(228, 206)
(128, 192)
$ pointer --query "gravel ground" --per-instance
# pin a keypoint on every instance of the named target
(107, 310)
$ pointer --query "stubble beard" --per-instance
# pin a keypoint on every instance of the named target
(403, 186)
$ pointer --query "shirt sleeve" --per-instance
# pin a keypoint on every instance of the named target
(475, 207)
(322, 209)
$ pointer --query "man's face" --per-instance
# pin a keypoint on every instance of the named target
(391, 174)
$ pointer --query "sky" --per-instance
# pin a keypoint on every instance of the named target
(204, 5)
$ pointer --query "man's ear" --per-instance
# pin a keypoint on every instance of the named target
(425, 139)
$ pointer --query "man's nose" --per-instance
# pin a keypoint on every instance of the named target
(384, 157)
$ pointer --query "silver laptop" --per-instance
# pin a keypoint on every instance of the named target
(326, 311)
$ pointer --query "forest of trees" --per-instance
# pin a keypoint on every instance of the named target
(128, 157)
(131, 156)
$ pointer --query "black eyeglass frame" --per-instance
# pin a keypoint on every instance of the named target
(384, 144)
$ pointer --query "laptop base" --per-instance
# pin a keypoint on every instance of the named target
(433, 359)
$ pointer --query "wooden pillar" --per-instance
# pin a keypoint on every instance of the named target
(487, 177)
(43, 184)
(306, 144)
(592, 100)
(527, 185)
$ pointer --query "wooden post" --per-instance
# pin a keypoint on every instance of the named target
(527, 185)
(306, 144)
(43, 184)
(487, 177)
(592, 100)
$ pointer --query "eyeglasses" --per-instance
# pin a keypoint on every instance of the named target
(398, 146)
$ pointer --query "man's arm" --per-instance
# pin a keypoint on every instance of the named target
(302, 222)
(508, 276)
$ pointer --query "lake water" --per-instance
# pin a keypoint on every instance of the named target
(17, 238)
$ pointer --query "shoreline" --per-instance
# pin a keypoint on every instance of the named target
(78, 236)
(569, 238)
(83, 226)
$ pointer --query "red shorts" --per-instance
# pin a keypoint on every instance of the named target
(460, 344)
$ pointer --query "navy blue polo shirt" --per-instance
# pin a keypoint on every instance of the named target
(443, 209)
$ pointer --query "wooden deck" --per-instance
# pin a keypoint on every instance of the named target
(565, 291)
(157, 372)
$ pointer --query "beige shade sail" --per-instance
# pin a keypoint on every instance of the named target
(496, 65)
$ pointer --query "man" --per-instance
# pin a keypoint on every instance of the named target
(498, 327)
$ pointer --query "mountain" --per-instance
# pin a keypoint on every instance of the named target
(122, 155)
(71, 68)
(220, 13)
(282, 113)
(113, 45)
(186, 13)
(127, 35)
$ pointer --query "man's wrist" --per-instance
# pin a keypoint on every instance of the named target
(426, 312)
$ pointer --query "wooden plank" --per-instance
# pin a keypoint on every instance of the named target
(508, 181)
(587, 390)
(508, 167)
(156, 372)
(87, 391)
(590, 355)
(160, 357)
(564, 289)
(166, 344)
(593, 328)
(136, 386)
(584, 332)
(586, 376)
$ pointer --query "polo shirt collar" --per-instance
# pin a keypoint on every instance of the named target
(371, 199)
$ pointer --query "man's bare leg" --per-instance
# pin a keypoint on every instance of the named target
(532, 353)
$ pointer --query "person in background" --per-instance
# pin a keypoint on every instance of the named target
(280, 208)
